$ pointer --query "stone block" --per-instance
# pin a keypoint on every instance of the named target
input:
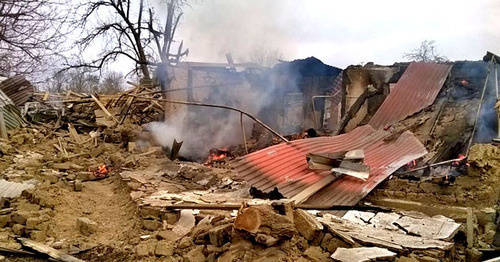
(151, 225)
(195, 255)
(32, 222)
(4, 220)
(86, 226)
(78, 186)
(37, 235)
(164, 248)
(18, 229)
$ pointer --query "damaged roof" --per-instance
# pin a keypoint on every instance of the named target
(417, 89)
(383, 158)
(285, 166)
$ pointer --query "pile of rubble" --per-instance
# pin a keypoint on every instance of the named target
(81, 179)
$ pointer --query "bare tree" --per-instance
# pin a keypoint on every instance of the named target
(80, 80)
(30, 32)
(131, 30)
(112, 83)
(265, 56)
(426, 53)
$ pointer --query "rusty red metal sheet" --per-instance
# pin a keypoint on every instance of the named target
(417, 89)
(285, 166)
(383, 158)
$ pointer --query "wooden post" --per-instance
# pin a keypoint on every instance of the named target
(3, 127)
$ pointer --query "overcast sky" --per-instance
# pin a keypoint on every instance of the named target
(340, 33)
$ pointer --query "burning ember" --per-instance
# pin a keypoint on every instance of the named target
(217, 155)
(459, 160)
(102, 171)
(412, 164)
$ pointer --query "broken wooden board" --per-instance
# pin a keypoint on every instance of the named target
(355, 154)
(311, 190)
(437, 227)
(74, 134)
(347, 164)
(322, 161)
(361, 175)
(392, 240)
(102, 118)
(44, 249)
(361, 254)
(104, 109)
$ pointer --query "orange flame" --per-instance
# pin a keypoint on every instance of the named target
(412, 164)
(102, 171)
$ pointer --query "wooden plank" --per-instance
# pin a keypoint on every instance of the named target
(53, 253)
(355, 166)
(113, 110)
(306, 193)
(103, 108)
(361, 175)
(74, 134)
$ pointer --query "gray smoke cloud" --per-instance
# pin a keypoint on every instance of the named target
(204, 128)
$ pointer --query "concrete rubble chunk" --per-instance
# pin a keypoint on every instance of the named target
(86, 226)
(151, 225)
(195, 255)
(361, 254)
(358, 217)
(218, 235)
(78, 186)
(385, 220)
(306, 224)
(32, 222)
(163, 248)
(185, 222)
(437, 227)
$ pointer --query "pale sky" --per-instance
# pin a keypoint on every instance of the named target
(340, 33)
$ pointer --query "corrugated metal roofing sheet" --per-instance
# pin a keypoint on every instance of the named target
(285, 166)
(11, 113)
(417, 89)
(383, 158)
(18, 89)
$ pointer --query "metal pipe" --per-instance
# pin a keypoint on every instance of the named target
(216, 106)
(433, 165)
(243, 132)
(479, 109)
